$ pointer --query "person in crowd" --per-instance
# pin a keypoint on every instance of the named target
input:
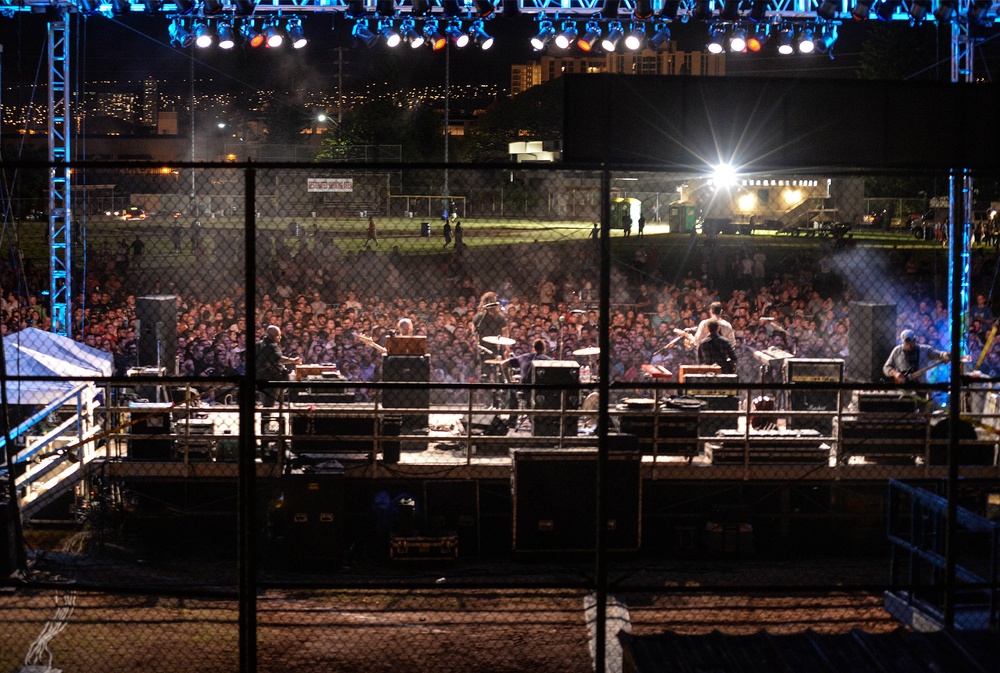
(910, 361)
(725, 327)
(272, 363)
(372, 231)
(717, 350)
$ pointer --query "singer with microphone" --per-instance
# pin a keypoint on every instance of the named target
(490, 327)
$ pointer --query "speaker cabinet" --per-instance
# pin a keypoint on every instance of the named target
(311, 519)
(407, 369)
(154, 419)
(453, 506)
(156, 329)
(870, 340)
(555, 372)
(555, 500)
(343, 428)
(813, 370)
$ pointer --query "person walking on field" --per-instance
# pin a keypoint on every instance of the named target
(372, 231)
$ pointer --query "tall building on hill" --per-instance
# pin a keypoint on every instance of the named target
(645, 62)
(148, 116)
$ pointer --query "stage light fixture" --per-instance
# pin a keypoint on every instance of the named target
(295, 33)
(355, 8)
(758, 11)
(643, 9)
(253, 37)
(184, 6)
(947, 11)
(119, 7)
(88, 6)
(179, 35)
(738, 39)
(730, 10)
(828, 10)
(716, 36)
(272, 36)
(591, 35)
(567, 36)
(451, 8)
(211, 7)
(614, 36)
(786, 37)
(610, 9)
(477, 32)
(636, 36)
(885, 9)
(826, 38)
(432, 36)
(420, 7)
(669, 9)
(660, 37)
(385, 8)
(758, 37)
(545, 33)
(861, 10)
(805, 41)
(702, 10)
(409, 31)
(511, 9)
(244, 7)
(391, 36)
(455, 33)
(484, 8)
(152, 6)
(918, 11)
(979, 11)
(225, 30)
(361, 33)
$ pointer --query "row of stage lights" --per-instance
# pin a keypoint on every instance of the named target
(185, 32)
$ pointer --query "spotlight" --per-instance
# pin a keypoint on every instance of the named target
(567, 36)
(484, 8)
(669, 9)
(702, 10)
(758, 38)
(211, 7)
(610, 9)
(885, 9)
(360, 32)
(119, 7)
(545, 33)
(614, 36)
(918, 10)
(451, 8)
(785, 39)
(758, 11)
(254, 37)
(730, 10)
(385, 7)
(806, 43)
(179, 35)
(420, 7)
(389, 34)
(643, 9)
(454, 31)
(409, 30)
(153, 6)
(226, 40)
(272, 36)
(244, 7)
(590, 37)
(295, 34)
(715, 37)
(828, 10)
(432, 36)
(355, 8)
(861, 10)
(184, 6)
(979, 11)
(946, 11)
(826, 39)
(738, 40)
(511, 9)
(660, 37)
(479, 35)
(88, 6)
(635, 38)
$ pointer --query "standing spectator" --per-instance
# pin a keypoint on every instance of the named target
(175, 236)
(137, 247)
(627, 224)
(458, 235)
(642, 224)
(372, 231)
(447, 233)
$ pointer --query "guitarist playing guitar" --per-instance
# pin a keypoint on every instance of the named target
(909, 361)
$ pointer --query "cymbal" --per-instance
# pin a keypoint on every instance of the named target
(589, 350)
(493, 361)
(499, 340)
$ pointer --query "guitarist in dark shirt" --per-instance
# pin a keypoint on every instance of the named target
(271, 364)
(909, 361)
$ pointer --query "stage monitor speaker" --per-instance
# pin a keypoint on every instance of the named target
(871, 338)
(555, 500)
(154, 418)
(312, 514)
(555, 372)
(351, 430)
(407, 369)
(156, 329)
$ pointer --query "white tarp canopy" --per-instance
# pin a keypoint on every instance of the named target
(33, 352)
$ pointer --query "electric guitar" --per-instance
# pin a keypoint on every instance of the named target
(371, 342)
(904, 377)
(687, 336)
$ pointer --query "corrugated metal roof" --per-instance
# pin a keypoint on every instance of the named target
(899, 651)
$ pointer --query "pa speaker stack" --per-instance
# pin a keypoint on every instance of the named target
(555, 372)
(156, 327)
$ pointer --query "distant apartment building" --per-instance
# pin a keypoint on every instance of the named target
(645, 62)
(149, 113)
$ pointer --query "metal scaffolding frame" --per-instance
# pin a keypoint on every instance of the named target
(60, 206)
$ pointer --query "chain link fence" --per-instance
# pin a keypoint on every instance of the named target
(449, 361)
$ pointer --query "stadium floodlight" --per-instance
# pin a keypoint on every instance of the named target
(591, 35)
(660, 37)
(614, 36)
(545, 33)
(636, 36)
(567, 36)
(477, 31)
(226, 40)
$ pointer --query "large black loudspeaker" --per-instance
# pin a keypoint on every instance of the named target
(344, 428)
(407, 369)
(555, 372)
(154, 419)
(555, 500)
(870, 340)
(813, 370)
(156, 327)
(311, 515)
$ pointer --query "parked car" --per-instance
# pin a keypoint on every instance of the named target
(129, 213)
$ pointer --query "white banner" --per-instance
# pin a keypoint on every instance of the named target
(330, 184)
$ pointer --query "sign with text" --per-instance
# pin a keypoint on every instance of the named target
(330, 184)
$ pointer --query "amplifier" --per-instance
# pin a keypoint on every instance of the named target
(784, 447)
(883, 440)
(555, 372)
(714, 379)
(687, 370)
(710, 423)
(406, 345)
(888, 402)
(814, 370)
(340, 428)
(153, 418)
(676, 432)
(321, 395)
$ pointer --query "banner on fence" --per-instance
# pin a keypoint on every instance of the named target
(330, 184)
